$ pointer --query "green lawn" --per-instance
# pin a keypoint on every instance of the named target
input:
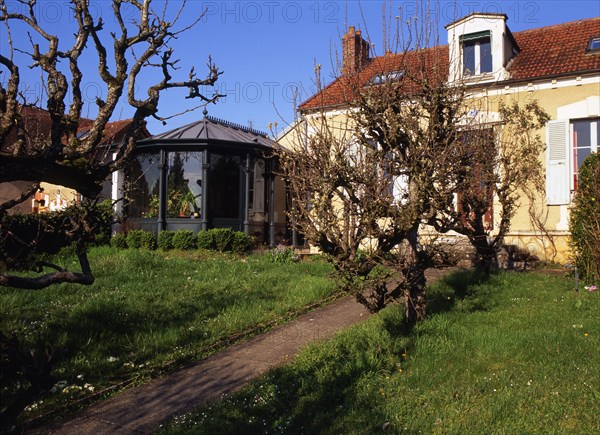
(518, 353)
(150, 312)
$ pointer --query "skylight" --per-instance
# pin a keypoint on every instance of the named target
(594, 44)
(388, 77)
(82, 134)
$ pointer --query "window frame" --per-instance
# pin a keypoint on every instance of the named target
(561, 157)
(594, 146)
(475, 40)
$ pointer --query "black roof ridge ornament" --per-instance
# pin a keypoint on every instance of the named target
(235, 125)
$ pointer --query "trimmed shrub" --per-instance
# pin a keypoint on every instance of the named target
(223, 239)
(241, 242)
(134, 239)
(119, 240)
(148, 240)
(101, 239)
(184, 240)
(206, 239)
(165, 239)
(585, 220)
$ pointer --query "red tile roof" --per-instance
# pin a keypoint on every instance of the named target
(556, 50)
(546, 51)
(413, 64)
(38, 125)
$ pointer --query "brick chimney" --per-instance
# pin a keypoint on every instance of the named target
(355, 51)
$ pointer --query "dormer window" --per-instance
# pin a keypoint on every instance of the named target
(476, 53)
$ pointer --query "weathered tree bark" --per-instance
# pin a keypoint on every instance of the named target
(415, 294)
(486, 255)
(62, 275)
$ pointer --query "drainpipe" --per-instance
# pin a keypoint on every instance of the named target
(247, 196)
(271, 205)
(294, 230)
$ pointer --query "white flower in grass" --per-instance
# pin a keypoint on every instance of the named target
(31, 407)
(112, 359)
(58, 386)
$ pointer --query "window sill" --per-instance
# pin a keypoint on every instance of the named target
(478, 78)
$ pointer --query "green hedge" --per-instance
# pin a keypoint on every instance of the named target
(241, 242)
(221, 239)
(585, 220)
(119, 240)
(165, 240)
(184, 239)
(134, 239)
(26, 237)
(206, 240)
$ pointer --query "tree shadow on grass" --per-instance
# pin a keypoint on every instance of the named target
(319, 396)
(331, 388)
(462, 287)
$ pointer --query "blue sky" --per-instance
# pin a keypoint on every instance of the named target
(268, 49)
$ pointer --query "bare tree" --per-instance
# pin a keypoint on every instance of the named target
(370, 173)
(499, 164)
(364, 181)
(66, 157)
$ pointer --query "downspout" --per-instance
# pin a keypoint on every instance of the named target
(247, 196)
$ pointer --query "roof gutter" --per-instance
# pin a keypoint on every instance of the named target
(590, 72)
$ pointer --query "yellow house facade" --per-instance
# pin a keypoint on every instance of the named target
(559, 66)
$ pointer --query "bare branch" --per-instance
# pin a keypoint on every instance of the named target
(37, 283)
(64, 156)
(23, 197)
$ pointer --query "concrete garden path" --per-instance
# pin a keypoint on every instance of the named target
(142, 409)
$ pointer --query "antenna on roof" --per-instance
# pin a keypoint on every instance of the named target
(250, 124)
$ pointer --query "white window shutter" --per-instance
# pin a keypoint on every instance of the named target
(557, 162)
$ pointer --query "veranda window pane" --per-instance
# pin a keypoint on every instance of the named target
(225, 181)
(142, 178)
(184, 185)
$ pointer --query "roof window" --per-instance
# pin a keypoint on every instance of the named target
(594, 44)
(388, 77)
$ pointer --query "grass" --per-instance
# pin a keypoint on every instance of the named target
(150, 312)
(517, 353)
